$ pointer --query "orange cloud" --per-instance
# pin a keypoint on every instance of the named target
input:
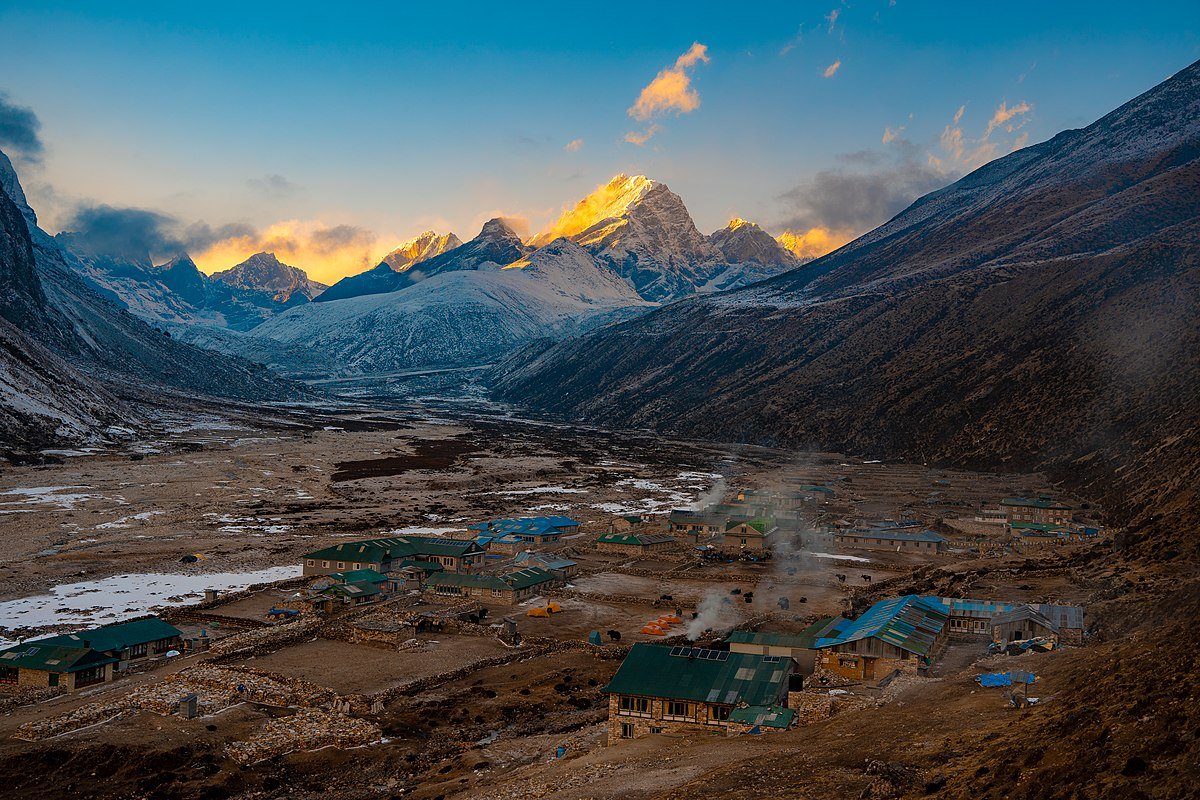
(641, 137)
(574, 146)
(832, 69)
(326, 252)
(891, 134)
(814, 242)
(1004, 114)
(671, 90)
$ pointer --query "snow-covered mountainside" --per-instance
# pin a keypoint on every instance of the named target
(751, 254)
(177, 292)
(452, 318)
(422, 248)
(642, 231)
(70, 360)
(266, 274)
(496, 245)
(1041, 312)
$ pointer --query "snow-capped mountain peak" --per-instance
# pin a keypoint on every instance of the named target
(264, 272)
(608, 202)
(420, 248)
(744, 242)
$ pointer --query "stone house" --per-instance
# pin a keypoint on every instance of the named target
(695, 525)
(1042, 510)
(625, 523)
(529, 530)
(390, 554)
(970, 617)
(1023, 622)
(893, 539)
(799, 647)
(562, 567)
(634, 543)
(511, 588)
(754, 534)
(86, 658)
(898, 635)
(661, 689)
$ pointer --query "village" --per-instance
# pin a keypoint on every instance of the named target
(761, 611)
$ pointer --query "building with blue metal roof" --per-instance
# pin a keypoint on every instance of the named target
(902, 634)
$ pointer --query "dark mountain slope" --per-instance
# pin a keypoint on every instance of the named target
(1040, 312)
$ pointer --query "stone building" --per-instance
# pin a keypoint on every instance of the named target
(77, 660)
(799, 647)
(695, 525)
(530, 530)
(625, 523)
(754, 534)
(634, 543)
(898, 635)
(1023, 622)
(511, 588)
(970, 617)
(562, 567)
(660, 689)
(895, 539)
(1042, 510)
(390, 554)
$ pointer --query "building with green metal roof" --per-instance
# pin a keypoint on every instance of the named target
(800, 647)
(660, 689)
(390, 553)
(1040, 509)
(750, 534)
(511, 588)
(633, 543)
(758, 719)
(85, 658)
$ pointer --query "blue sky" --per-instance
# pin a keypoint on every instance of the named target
(389, 120)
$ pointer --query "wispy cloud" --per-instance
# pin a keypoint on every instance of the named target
(671, 92)
(641, 137)
(573, 146)
(20, 130)
(273, 185)
(832, 18)
(1004, 114)
(960, 153)
(891, 134)
(832, 69)
(793, 43)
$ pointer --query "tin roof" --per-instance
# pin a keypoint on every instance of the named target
(359, 576)
(1041, 502)
(804, 640)
(116, 637)
(911, 623)
(764, 716)
(53, 658)
(520, 579)
(527, 526)
(376, 551)
(702, 676)
(360, 589)
(896, 535)
(639, 539)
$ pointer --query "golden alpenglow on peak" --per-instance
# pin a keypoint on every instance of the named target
(606, 202)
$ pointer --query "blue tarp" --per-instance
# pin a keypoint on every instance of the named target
(1005, 678)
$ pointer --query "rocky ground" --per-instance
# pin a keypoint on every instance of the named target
(483, 720)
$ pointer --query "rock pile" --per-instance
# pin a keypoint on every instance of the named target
(307, 730)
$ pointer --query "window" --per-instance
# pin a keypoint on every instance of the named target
(497, 592)
(341, 565)
(53, 679)
(325, 565)
(311, 563)
(357, 565)
(626, 730)
(88, 677)
(9, 674)
(137, 651)
(718, 714)
(631, 706)
(676, 708)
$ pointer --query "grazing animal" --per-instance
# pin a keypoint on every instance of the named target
(614, 636)
(803, 599)
(866, 578)
(665, 597)
(841, 578)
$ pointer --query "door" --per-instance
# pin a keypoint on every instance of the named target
(868, 669)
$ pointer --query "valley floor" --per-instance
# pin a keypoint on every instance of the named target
(464, 715)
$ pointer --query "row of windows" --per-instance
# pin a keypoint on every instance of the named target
(672, 709)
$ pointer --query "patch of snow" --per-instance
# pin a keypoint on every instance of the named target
(125, 596)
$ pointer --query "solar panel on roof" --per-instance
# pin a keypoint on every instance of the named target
(677, 651)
